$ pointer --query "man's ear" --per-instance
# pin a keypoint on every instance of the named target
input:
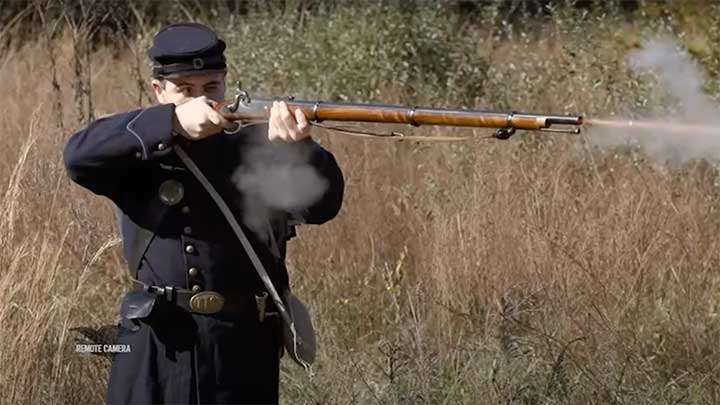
(158, 86)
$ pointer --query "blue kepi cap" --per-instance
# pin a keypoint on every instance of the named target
(185, 49)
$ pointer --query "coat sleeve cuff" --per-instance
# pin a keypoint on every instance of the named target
(153, 130)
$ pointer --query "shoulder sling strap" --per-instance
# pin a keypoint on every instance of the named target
(257, 264)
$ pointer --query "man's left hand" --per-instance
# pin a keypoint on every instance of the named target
(286, 127)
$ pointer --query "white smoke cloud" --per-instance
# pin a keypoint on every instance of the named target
(682, 78)
(679, 74)
(276, 177)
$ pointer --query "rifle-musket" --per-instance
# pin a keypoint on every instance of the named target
(243, 109)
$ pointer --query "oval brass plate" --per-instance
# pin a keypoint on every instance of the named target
(171, 192)
(207, 302)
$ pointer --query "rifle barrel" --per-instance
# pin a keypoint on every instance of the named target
(318, 111)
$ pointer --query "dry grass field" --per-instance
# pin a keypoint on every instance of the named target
(536, 270)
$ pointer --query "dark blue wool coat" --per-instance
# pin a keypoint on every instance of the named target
(177, 356)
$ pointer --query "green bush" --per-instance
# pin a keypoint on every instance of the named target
(360, 54)
(436, 54)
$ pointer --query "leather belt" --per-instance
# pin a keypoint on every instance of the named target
(213, 302)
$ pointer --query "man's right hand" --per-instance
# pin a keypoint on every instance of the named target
(196, 119)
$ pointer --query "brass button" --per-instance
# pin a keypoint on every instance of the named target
(161, 146)
(138, 155)
(187, 230)
(190, 249)
(193, 271)
(186, 210)
(196, 288)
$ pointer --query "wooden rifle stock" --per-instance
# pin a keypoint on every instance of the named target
(245, 110)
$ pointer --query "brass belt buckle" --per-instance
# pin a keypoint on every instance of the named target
(207, 302)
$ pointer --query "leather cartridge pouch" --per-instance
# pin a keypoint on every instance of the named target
(299, 336)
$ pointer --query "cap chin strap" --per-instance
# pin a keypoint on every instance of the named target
(257, 264)
(213, 62)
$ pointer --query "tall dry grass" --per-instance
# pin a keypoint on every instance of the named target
(537, 270)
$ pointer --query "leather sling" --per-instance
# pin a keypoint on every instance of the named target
(254, 259)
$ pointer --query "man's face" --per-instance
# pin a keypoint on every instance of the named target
(177, 90)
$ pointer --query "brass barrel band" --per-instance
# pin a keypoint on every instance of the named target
(510, 118)
(315, 108)
(411, 117)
